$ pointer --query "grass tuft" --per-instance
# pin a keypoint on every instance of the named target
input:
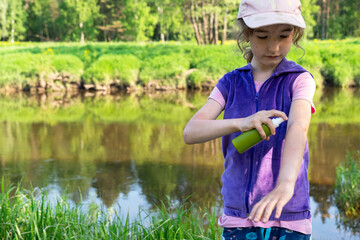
(347, 188)
(26, 215)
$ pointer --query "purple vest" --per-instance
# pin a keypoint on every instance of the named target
(249, 176)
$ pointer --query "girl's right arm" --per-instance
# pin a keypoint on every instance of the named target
(204, 127)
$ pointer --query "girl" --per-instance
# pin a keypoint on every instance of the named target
(265, 189)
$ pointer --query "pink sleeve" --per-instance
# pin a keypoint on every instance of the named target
(217, 96)
(304, 88)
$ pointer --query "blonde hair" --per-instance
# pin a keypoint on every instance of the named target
(243, 32)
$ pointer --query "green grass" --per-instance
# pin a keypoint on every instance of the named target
(111, 68)
(347, 188)
(331, 62)
(26, 215)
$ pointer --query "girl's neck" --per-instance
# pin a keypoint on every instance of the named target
(261, 74)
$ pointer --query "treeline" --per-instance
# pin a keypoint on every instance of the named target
(207, 21)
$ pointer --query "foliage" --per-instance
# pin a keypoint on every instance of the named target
(169, 69)
(332, 63)
(32, 215)
(110, 68)
(21, 68)
(347, 189)
(337, 19)
(150, 20)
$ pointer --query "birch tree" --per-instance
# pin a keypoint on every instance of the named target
(3, 18)
(17, 18)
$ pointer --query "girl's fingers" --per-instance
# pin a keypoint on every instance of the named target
(258, 210)
(279, 207)
(278, 114)
(261, 131)
(268, 210)
(271, 126)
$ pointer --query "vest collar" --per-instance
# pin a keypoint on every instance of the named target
(284, 66)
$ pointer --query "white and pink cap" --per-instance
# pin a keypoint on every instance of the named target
(259, 13)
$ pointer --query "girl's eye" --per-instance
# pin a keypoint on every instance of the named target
(284, 36)
(262, 37)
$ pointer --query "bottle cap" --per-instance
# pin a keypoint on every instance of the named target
(277, 121)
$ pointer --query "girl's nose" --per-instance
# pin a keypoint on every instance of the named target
(273, 46)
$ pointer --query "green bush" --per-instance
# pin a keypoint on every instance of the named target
(109, 68)
(331, 62)
(28, 68)
(167, 69)
(347, 188)
(69, 64)
(196, 79)
(212, 62)
(310, 60)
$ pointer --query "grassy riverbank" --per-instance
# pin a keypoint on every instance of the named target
(31, 215)
(112, 66)
(347, 192)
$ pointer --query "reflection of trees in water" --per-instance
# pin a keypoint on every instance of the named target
(348, 224)
(328, 146)
(113, 178)
(323, 196)
(201, 184)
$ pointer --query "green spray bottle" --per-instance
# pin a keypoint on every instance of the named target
(252, 137)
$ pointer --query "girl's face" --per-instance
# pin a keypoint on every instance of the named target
(270, 44)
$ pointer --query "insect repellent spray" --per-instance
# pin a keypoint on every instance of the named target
(250, 138)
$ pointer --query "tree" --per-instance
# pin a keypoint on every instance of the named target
(337, 19)
(3, 18)
(208, 17)
(17, 16)
(111, 12)
(77, 19)
(309, 9)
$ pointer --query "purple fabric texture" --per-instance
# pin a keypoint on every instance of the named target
(249, 176)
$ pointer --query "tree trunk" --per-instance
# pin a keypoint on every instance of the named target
(216, 25)
(357, 19)
(47, 32)
(162, 35)
(212, 24)
(225, 26)
(3, 8)
(211, 28)
(82, 38)
(105, 31)
(204, 27)
(12, 26)
(327, 18)
(323, 23)
(194, 24)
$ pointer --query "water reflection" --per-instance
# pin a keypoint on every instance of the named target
(128, 151)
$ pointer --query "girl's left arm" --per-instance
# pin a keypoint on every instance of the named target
(295, 141)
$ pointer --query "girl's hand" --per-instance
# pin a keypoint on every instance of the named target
(277, 198)
(257, 119)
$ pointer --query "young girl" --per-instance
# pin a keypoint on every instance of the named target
(265, 189)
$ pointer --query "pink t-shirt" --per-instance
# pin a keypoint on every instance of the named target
(303, 88)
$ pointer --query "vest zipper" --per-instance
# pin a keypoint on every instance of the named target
(257, 99)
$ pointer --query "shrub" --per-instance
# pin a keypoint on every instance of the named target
(109, 68)
(347, 188)
(168, 69)
(69, 64)
(28, 68)
(214, 61)
(310, 60)
(196, 79)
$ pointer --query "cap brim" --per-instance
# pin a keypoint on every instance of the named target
(271, 18)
